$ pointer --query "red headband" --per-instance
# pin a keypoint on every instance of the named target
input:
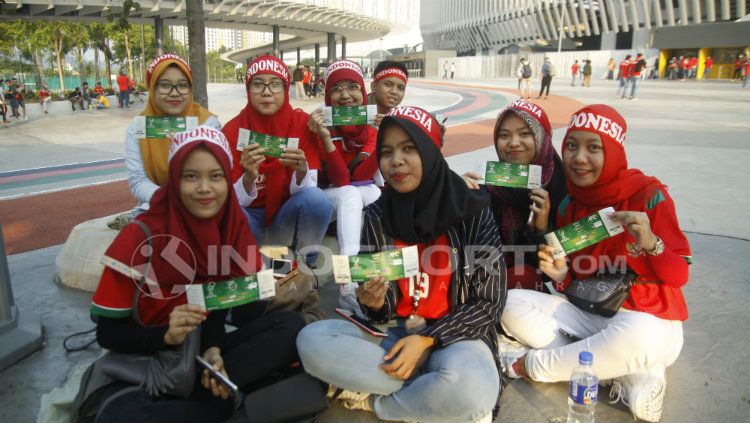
(267, 64)
(422, 118)
(388, 72)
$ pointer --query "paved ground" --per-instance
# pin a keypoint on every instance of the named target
(693, 136)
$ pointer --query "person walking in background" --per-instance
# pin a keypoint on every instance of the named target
(44, 98)
(453, 69)
(587, 73)
(524, 74)
(623, 77)
(298, 77)
(745, 72)
(123, 84)
(673, 71)
(692, 67)
(707, 65)
(445, 70)
(636, 67)
(611, 65)
(548, 72)
(574, 73)
(18, 95)
(738, 65)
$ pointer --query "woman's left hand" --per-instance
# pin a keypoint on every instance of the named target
(294, 158)
(540, 205)
(410, 354)
(213, 356)
(639, 226)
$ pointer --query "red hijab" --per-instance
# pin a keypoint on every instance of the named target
(354, 136)
(286, 122)
(188, 249)
(617, 186)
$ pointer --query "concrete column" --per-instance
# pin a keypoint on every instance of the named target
(159, 34)
(641, 39)
(317, 58)
(331, 47)
(299, 59)
(343, 47)
(276, 50)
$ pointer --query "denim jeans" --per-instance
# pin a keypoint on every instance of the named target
(457, 383)
(301, 221)
(634, 85)
(622, 88)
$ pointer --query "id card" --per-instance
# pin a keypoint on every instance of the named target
(233, 292)
(349, 115)
(392, 265)
(274, 146)
(163, 126)
(511, 175)
(583, 233)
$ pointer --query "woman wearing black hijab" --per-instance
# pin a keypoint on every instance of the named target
(445, 316)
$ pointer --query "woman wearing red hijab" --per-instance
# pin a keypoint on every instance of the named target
(192, 215)
(636, 345)
(280, 196)
(350, 163)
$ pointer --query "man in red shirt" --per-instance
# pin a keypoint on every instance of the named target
(738, 67)
(574, 72)
(707, 65)
(636, 67)
(623, 77)
(123, 84)
(692, 67)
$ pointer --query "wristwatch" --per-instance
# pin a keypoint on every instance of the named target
(658, 248)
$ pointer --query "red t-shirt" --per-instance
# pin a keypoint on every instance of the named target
(433, 282)
(625, 69)
(43, 94)
(574, 68)
(98, 90)
(123, 82)
(709, 62)
(634, 71)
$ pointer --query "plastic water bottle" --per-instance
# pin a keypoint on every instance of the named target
(583, 390)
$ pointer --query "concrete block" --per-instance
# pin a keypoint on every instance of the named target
(78, 263)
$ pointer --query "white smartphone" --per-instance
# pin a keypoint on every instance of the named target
(361, 323)
(233, 389)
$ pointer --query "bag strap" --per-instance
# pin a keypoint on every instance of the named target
(147, 270)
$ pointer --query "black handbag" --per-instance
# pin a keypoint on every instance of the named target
(602, 294)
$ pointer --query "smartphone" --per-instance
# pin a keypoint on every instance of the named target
(361, 323)
(233, 389)
(281, 267)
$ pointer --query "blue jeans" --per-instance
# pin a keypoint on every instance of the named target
(634, 85)
(301, 221)
(622, 88)
(457, 383)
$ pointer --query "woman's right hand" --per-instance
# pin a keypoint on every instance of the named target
(182, 320)
(472, 179)
(555, 269)
(251, 158)
(371, 294)
(315, 125)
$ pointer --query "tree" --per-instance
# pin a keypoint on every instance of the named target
(59, 34)
(197, 41)
(80, 40)
(123, 27)
(99, 35)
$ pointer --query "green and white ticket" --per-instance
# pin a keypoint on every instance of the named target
(233, 292)
(349, 115)
(583, 233)
(393, 265)
(163, 126)
(274, 145)
(511, 175)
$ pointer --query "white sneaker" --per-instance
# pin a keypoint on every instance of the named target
(351, 400)
(642, 393)
(507, 358)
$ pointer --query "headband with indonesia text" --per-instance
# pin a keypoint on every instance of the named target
(161, 59)
(267, 64)
(422, 118)
(602, 120)
(388, 72)
(201, 133)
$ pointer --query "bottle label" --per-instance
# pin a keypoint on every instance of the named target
(582, 394)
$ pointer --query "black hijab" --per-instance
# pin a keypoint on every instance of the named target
(441, 199)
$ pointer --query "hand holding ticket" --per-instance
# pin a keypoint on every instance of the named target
(583, 233)
(349, 115)
(274, 146)
(233, 292)
(392, 265)
(511, 175)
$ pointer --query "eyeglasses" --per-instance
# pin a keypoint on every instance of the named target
(257, 87)
(350, 88)
(165, 88)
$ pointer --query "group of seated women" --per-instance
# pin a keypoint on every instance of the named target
(440, 360)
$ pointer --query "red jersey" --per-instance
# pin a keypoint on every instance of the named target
(575, 68)
(625, 69)
(43, 94)
(432, 283)
(692, 63)
(709, 62)
(123, 82)
(98, 90)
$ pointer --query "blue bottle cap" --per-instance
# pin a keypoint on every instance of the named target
(585, 357)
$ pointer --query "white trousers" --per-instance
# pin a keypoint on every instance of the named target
(348, 202)
(629, 342)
